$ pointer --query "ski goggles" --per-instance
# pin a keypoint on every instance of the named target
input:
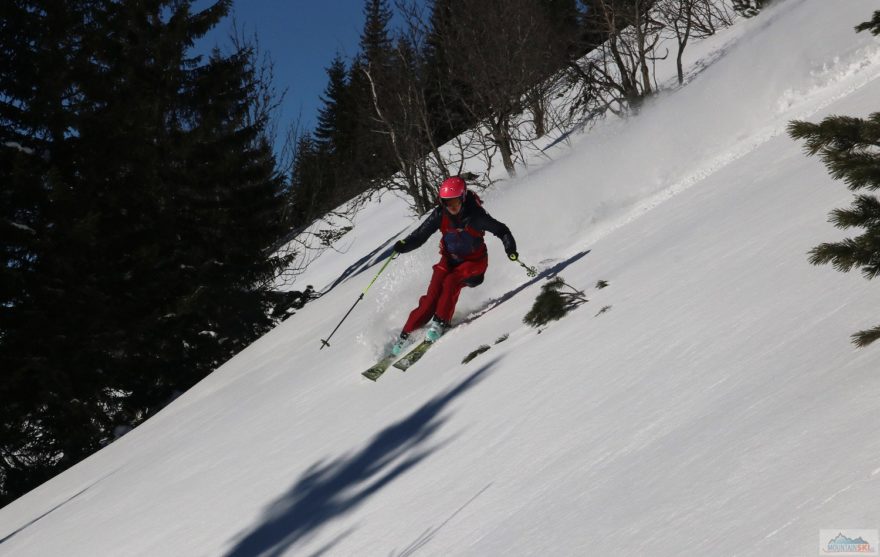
(451, 201)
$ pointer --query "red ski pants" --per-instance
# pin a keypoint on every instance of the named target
(442, 295)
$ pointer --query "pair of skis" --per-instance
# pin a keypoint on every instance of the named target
(403, 364)
(415, 354)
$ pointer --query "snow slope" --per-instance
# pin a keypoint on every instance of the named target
(717, 407)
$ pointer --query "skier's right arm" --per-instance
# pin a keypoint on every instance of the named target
(421, 234)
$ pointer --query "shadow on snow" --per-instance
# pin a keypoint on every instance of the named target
(428, 535)
(327, 491)
(547, 273)
(56, 507)
(364, 263)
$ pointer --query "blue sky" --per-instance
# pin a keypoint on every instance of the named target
(302, 37)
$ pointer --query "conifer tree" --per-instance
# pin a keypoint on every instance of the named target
(447, 94)
(334, 117)
(873, 25)
(375, 40)
(144, 256)
(311, 187)
(850, 149)
(336, 145)
(373, 153)
(565, 18)
(40, 53)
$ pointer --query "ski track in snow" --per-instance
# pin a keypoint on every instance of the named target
(794, 105)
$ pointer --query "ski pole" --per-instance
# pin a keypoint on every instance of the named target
(326, 342)
(531, 271)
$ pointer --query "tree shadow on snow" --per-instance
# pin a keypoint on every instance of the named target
(547, 273)
(56, 507)
(329, 490)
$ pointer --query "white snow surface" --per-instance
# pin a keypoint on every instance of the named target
(717, 407)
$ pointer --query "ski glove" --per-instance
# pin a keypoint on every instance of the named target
(513, 256)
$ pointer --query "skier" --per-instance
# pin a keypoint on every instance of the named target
(462, 222)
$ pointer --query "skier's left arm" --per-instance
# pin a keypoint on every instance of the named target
(485, 221)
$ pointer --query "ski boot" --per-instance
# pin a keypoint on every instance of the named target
(436, 328)
(401, 343)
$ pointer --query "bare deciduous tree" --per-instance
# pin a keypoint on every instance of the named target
(691, 19)
(625, 62)
(501, 51)
(619, 73)
(402, 115)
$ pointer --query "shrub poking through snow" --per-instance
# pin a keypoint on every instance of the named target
(553, 302)
(475, 353)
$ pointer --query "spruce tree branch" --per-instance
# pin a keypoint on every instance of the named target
(863, 338)
(873, 25)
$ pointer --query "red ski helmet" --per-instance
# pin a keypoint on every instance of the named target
(453, 187)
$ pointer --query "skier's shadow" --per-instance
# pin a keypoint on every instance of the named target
(545, 274)
(329, 490)
(363, 263)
